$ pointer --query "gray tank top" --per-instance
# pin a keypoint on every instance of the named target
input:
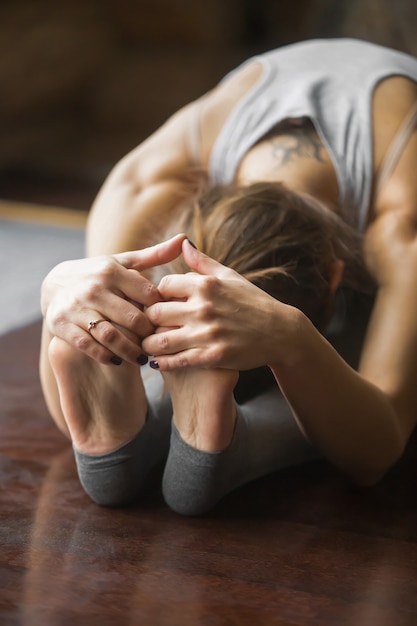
(329, 81)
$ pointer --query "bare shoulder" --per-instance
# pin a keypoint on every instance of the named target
(391, 236)
(164, 154)
(218, 104)
(181, 146)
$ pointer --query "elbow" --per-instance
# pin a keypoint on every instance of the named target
(382, 449)
(378, 464)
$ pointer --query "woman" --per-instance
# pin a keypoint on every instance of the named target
(324, 128)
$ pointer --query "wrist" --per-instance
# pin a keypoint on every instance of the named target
(290, 330)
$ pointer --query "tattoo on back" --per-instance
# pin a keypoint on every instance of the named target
(297, 144)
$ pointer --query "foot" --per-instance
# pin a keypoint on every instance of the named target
(203, 405)
(104, 406)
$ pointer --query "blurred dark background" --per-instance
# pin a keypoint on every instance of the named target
(84, 81)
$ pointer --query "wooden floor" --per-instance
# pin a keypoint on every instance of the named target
(301, 547)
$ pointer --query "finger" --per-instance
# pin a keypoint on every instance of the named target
(115, 341)
(137, 288)
(119, 308)
(83, 341)
(178, 287)
(168, 314)
(203, 264)
(167, 341)
(182, 360)
(193, 344)
(159, 254)
(127, 315)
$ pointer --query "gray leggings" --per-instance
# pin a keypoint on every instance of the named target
(266, 439)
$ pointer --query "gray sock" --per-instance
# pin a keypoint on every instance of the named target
(194, 481)
(266, 438)
(118, 477)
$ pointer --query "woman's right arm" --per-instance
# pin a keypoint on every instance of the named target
(147, 187)
(144, 189)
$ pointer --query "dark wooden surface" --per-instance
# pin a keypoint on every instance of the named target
(302, 547)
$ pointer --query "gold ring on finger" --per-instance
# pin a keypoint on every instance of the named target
(93, 323)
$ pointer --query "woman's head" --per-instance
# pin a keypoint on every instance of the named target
(284, 242)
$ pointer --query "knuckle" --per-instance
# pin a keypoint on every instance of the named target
(210, 285)
(206, 310)
(90, 291)
(134, 317)
(215, 354)
(107, 268)
(149, 292)
(108, 333)
(213, 334)
(57, 319)
(83, 342)
(164, 282)
(94, 289)
(163, 342)
(154, 313)
(182, 361)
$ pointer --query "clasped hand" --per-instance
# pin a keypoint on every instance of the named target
(214, 318)
(209, 318)
(97, 304)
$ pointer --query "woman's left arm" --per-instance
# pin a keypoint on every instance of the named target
(389, 356)
(363, 420)
(225, 321)
(382, 395)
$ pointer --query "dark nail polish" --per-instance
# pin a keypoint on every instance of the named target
(116, 360)
(154, 365)
(142, 359)
(191, 243)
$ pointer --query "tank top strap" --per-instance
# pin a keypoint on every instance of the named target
(396, 148)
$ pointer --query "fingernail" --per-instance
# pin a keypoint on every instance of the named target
(142, 359)
(154, 365)
(191, 243)
(116, 360)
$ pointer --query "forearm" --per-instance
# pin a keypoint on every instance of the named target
(389, 356)
(219, 319)
(350, 420)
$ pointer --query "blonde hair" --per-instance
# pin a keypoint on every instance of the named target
(282, 241)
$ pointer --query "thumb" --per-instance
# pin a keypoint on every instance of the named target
(146, 258)
(203, 264)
